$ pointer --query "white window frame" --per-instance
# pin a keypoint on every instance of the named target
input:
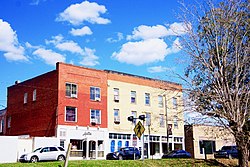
(174, 103)
(34, 95)
(117, 118)
(96, 120)
(96, 98)
(134, 115)
(133, 96)
(175, 120)
(25, 98)
(162, 120)
(9, 122)
(72, 94)
(147, 98)
(116, 94)
(1, 125)
(148, 119)
(65, 119)
(160, 101)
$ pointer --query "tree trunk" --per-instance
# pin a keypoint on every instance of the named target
(243, 151)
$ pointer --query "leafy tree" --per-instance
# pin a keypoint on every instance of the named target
(217, 42)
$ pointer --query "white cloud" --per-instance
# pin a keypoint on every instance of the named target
(69, 46)
(55, 40)
(158, 69)
(89, 59)
(148, 32)
(176, 47)
(78, 13)
(158, 31)
(143, 52)
(36, 2)
(119, 38)
(81, 32)
(9, 43)
(50, 57)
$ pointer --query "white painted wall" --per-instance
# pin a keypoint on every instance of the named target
(8, 149)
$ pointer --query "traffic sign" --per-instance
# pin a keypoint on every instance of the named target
(139, 129)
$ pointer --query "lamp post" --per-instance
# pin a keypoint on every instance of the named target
(141, 117)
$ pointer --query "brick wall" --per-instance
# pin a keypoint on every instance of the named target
(35, 118)
(84, 78)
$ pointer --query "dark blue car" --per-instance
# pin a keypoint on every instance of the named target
(177, 154)
(227, 152)
(124, 153)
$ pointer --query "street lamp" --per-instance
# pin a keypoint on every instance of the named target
(141, 117)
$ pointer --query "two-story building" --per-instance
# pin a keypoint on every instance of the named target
(89, 108)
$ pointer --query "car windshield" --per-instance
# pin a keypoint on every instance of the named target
(226, 148)
(37, 150)
(171, 153)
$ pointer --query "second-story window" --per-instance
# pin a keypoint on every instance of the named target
(95, 116)
(175, 120)
(116, 94)
(116, 116)
(25, 98)
(134, 114)
(95, 94)
(71, 90)
(71, 114)
(9, 122)
(162, 122)
(147, 99)
(174, 103)
(148, 119)
(133, 97)
(160, 101)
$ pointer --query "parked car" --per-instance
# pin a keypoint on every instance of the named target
(124, 153)
(227, 152)
(177, 154)
(44, 154)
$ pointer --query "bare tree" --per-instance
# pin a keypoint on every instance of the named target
(217, 42)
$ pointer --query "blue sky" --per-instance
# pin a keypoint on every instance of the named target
(134, 36)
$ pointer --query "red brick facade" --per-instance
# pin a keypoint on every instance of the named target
(40, 117)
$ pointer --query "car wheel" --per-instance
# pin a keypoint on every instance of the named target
(120, 157)
(230, 156)
(60, 158)
(33, 159)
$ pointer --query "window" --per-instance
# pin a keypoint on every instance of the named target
(175, 122)
(174, 103)
(112, 146)
(71, 114)
(209, 146)
(148, 119)
(162, 122)
(126, 143)
(116, 116)
(160, 101)
(25, 98)
(62, 143)
(9, 122)
(133, 96)
(34, 95)
(147, 99)
(134, 115)
(119, 144)
(71, 90)
(95, 93)
(1, 125)
(52, 149)
(116, 94)
(95, 116)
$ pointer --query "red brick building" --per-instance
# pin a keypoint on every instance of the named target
(69, 95)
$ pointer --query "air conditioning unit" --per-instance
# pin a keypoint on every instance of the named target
(117, 120)
(116, 98)
(74, 95)
(97, 99)
(94, 121)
